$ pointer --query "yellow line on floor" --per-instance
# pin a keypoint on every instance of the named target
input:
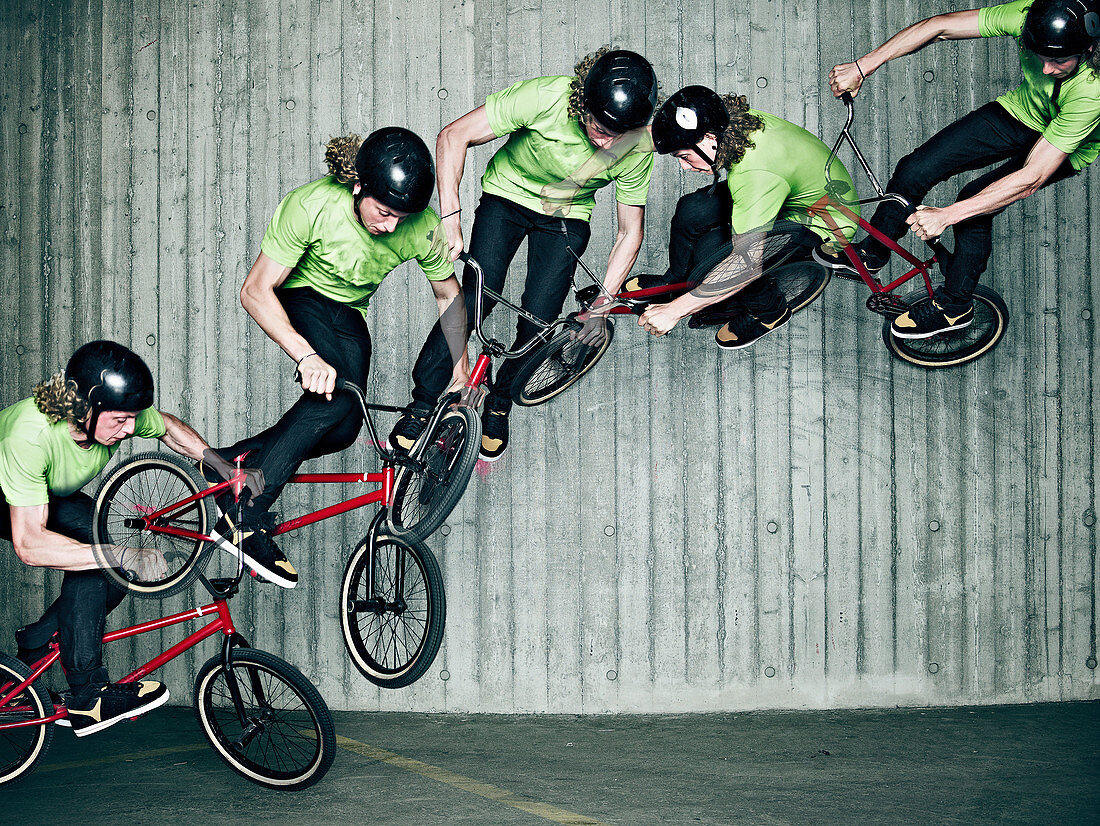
(115, 758)
(543, 810)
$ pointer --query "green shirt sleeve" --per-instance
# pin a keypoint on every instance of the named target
(150, 424)
(1006, 19)
(289, 232)
(1077, 119)
(434, 258)
(23, 473)
(520, 105)
(632, 185)
(758, 197)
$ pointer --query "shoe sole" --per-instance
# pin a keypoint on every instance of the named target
(237, 553)
(489, 459)
(134, 712)
(912, 336)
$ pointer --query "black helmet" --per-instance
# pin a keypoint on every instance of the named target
(1061, 28)
(686, 117)
(620, 90)
(395, 167)
(109, 376)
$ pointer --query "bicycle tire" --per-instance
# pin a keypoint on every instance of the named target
(146, 483)
(22, 748)
(424, 497)
(392, 638)
(801, 282)
(291, 737)
(957, 347)
(556, 366)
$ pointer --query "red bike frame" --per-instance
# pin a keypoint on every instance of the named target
(223, 622)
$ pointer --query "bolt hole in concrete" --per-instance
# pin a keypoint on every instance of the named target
(1091, 663)
(290, 104)
(444, 675)
(1090, 518)
(151, 340)
(929, 76)
(933, 526)
(933, 668)
(612, 675)
(445, 530)
(151, 115)
(773, 527)
(1086, 314)
(609, 530)
(442, 93)
(761, 82)
(20, 349)
(769, 672)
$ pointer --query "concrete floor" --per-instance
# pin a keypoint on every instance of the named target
(1016, 764)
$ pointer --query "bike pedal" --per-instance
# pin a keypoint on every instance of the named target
(887, 304)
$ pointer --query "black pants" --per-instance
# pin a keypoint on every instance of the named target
(314, 426)
(702, 236)
(80, 611)
(499, 228)
(986, 136)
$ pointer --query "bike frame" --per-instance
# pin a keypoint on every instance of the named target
(223, 623)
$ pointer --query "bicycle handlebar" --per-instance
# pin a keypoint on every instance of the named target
(882, 195)
(493, 345)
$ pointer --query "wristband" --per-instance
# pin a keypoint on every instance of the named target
(303, 358)
(862, 77)
(449, 214)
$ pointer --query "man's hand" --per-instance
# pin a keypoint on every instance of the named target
(146, 564)
(929, 223)
(253, 477)
(316, 375)
(593, 329)
(452, 225)
(845, 77)
(659, 319)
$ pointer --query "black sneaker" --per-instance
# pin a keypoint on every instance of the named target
(494, 429)
(745, 329)
(838, 262)
(408, 429)
(114, 702)
(645, 281)
(930, 317)
(252, 542)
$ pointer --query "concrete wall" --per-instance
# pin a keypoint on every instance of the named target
(806, 523)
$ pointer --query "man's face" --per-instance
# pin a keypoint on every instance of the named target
(113, 426)
(377, 218)
(1059, 68)
(600, 136)
(692, 161)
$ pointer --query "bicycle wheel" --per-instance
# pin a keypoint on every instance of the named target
(424, 497)
(801, 282)
(287, 739)
(958, 346)
(145, 484)
(392, 610)
(21, 748)
(556, 366)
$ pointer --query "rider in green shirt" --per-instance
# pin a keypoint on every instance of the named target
(567, 137)
(775, 171)
(1044, 131)
(327, 248)
(52, 445)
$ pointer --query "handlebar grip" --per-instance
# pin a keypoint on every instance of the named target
(846, 97)
(340, 383)
(464, 257)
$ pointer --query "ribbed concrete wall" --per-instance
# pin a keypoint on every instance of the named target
(807, 523)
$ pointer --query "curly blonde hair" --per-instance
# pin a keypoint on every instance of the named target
(576, 86)
(340, 155)
(59, 399)
(735, 141)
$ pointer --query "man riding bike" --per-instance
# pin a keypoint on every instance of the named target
(327, 248)
(52, 445)
(567, 137)
(1042, 132)
(775, 171)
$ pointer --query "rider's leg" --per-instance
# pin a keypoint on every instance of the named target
(974, 237)
(550, 268)
(499, 228)
(700, 223)
(80, 611)
(985, 136)
(314, 426)
(763, 297)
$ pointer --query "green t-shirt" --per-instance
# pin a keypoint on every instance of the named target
(782, 176)
(314, 231)
(1066, 112)
(38, 458)
(548, 163)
